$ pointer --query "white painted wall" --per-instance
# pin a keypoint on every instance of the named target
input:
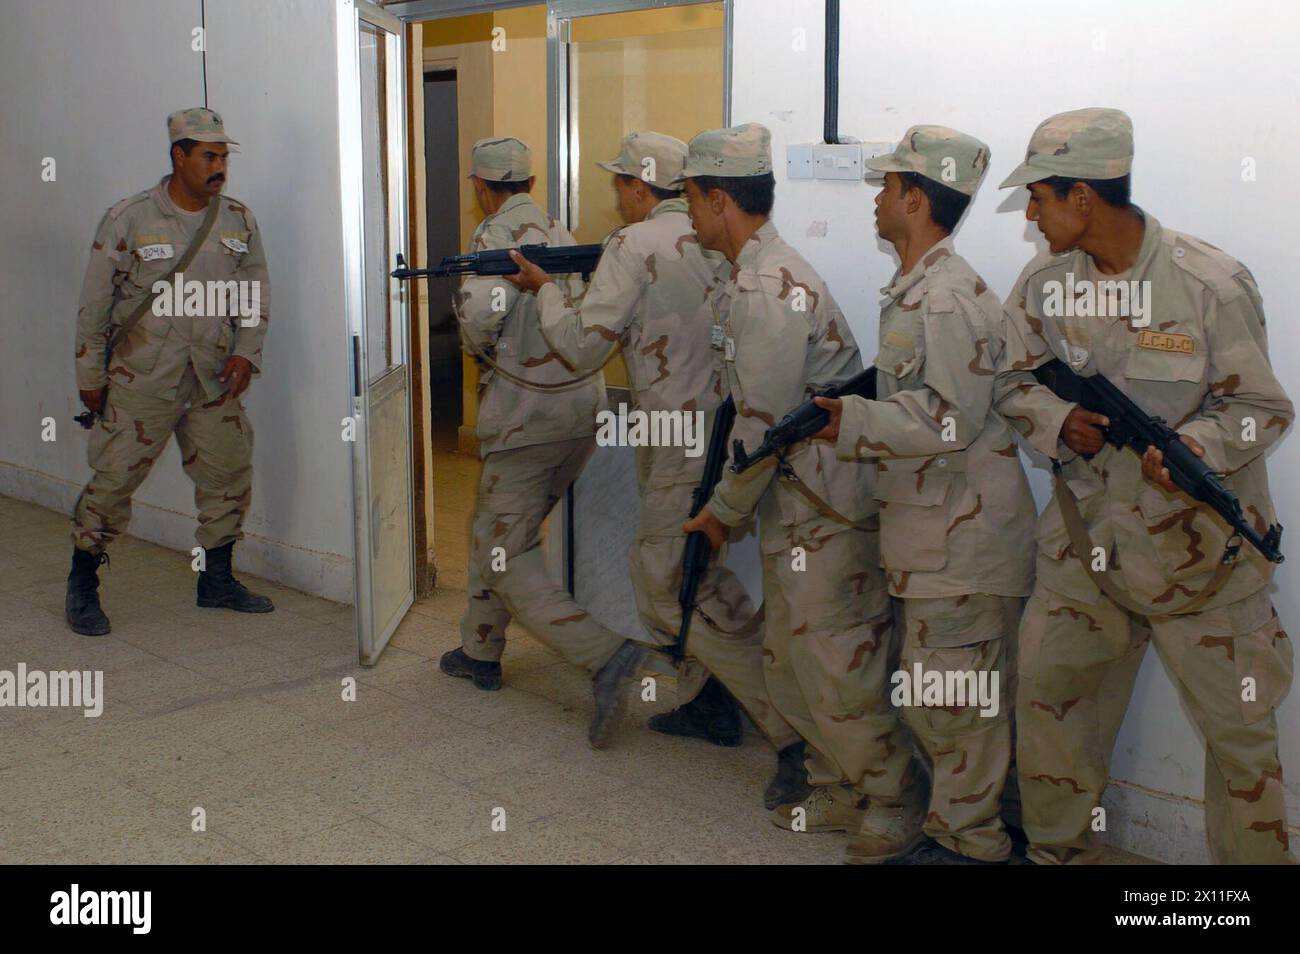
(91, 84)
(1207, 85)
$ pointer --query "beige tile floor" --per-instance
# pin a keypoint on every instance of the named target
(244, 717)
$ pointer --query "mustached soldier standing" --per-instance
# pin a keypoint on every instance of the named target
(828, 645)
(650, 293)
(534, 444)
(178, 373)
(1143, 561)
(956, 514)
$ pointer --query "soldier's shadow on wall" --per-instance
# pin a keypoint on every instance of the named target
(1017, 201)
(1038, 467)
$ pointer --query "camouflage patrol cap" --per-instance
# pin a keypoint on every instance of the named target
(652, 157)
(737, 151)
(948, 157)
(1093, 143)
(501, 159)
(199, 124)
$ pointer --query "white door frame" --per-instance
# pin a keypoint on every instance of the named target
(372, 635)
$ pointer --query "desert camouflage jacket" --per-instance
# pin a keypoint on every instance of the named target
(502, 322)
(138, 243)
(956, 514)
(1198, 357)
(783, 337)
(649, 295)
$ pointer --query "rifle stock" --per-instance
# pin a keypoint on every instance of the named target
(1132, 427)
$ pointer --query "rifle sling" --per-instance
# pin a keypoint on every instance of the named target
(523, 382)
(205, 227)
(1081, 541)
(787, 476)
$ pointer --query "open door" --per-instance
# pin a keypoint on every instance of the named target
(372, 139)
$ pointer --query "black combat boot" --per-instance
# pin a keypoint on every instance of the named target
(81, 606)
(790, 784)
(486, 675)
(713, 715)
(218, 589)
(930, 852)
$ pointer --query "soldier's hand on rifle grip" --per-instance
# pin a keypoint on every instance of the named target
(94, 400)
(710, 526)
(835, 408)
(1080, 431)
(1154, 469)
(530, 277)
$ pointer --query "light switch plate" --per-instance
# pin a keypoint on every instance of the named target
(837, 160)
(799, 161)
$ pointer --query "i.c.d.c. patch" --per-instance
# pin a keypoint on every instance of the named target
(1160, 341)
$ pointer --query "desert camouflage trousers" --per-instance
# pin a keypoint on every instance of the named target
(507, 573)
(830, 649)
(216, 445)
(969, 754)
(1232, 668)
(726, 637)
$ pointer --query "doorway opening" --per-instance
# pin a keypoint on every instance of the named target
(442, 207)
(570, 84)
(484, 75)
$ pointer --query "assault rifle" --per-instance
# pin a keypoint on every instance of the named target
(555, 259)
(698, 548)
(803, 422)
(1133, 427)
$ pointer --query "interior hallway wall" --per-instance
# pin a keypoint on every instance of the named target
(91, 85)
(1208, 87)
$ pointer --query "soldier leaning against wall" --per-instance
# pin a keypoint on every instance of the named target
(1197, 356)
(956, 514)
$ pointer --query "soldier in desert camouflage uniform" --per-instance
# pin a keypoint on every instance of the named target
(1198, 357)
(179, 373)
(535, 433)
(650, 294)
(956, 515)
(829, 644)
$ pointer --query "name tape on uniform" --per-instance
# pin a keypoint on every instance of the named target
(1162, 341)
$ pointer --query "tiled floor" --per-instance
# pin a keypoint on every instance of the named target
(243, 717)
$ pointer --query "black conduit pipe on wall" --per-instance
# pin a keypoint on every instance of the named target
(831, 87)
